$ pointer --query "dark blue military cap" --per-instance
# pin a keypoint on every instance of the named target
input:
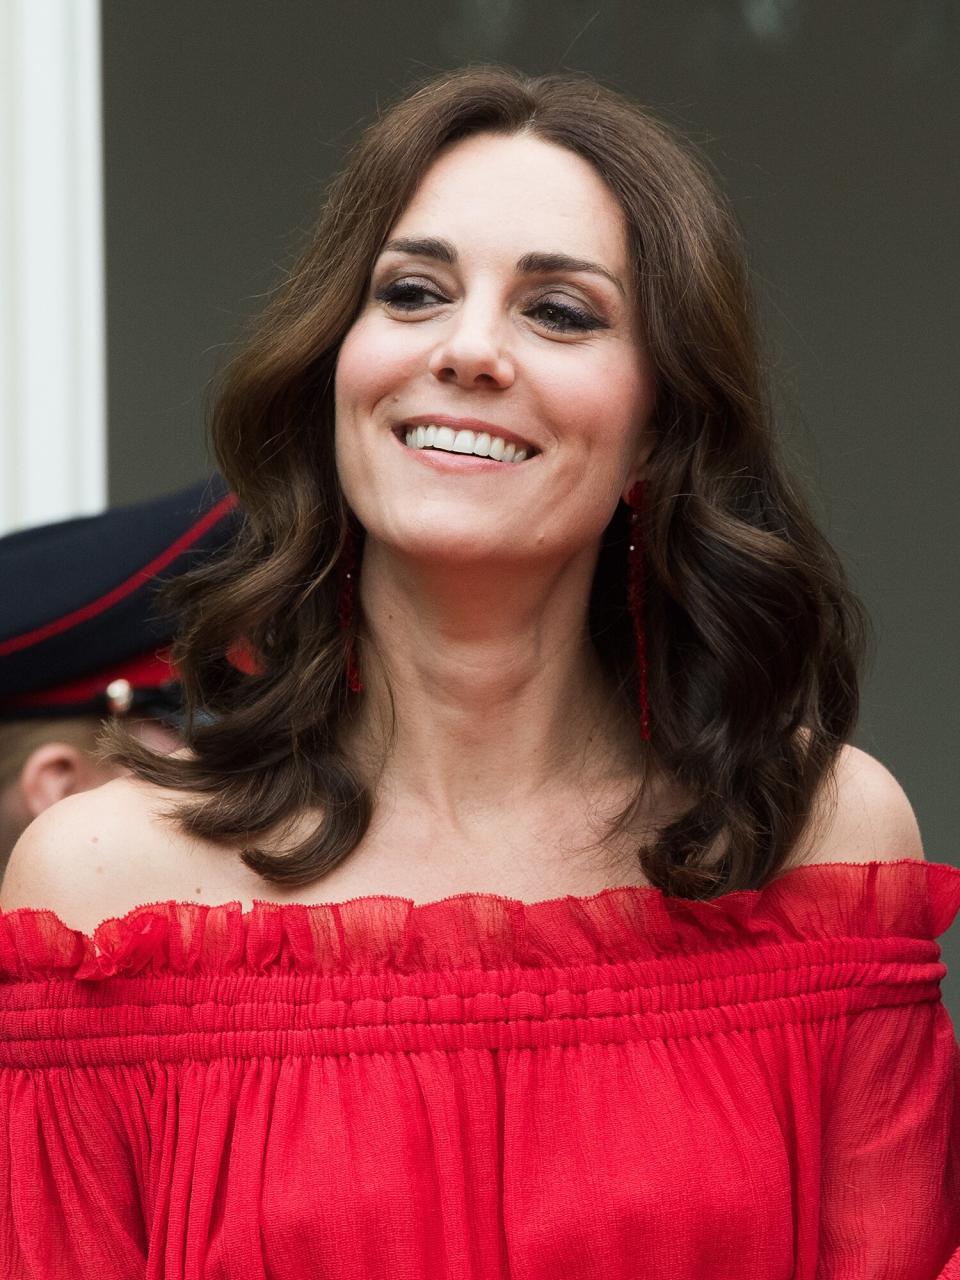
(80, 630)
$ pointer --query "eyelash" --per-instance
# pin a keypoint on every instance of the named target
(398, 294)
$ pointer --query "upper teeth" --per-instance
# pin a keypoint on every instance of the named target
(482, 444)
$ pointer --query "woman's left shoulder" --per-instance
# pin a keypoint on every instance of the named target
(863, 815)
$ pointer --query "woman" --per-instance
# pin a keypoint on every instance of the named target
(519, 907)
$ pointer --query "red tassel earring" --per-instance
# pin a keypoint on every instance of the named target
(635, 600)
(348, 578)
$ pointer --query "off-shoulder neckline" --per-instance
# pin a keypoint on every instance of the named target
(804, 870)
(901, 904)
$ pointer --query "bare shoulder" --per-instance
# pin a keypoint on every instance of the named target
(862, 814)
(98, 853)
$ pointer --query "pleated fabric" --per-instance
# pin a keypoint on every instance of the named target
(623, 1086)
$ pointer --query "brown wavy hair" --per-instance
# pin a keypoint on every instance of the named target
(755, 638)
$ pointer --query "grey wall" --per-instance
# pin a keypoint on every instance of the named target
(833, 127)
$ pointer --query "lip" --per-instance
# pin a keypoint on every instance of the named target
(459, 463)
(464, 424)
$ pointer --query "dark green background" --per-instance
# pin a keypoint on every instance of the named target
(834, 128)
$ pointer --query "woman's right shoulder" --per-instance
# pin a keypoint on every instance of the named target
(94, 854)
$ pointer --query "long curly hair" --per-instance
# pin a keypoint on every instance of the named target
(755, 639)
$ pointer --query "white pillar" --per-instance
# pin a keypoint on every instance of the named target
(52, 314)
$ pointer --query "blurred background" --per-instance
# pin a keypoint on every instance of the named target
(189, 158)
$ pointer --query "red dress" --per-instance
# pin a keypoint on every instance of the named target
(622, 1087)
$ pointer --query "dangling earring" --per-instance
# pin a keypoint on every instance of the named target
(635, 579)
(348, 578)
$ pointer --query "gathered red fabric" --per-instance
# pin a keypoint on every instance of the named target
(761, 1087)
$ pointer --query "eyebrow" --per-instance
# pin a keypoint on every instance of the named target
(529, 264)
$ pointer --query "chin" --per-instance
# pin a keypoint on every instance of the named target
(448, 544)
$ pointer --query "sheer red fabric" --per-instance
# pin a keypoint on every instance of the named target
(763, 1087)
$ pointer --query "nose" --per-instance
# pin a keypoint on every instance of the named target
(471, 353)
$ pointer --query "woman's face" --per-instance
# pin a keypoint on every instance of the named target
(502, 306)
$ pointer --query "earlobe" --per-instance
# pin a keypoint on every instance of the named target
(52, 772)
(636, 478)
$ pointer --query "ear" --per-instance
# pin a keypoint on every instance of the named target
(55, 770)
(639, 471)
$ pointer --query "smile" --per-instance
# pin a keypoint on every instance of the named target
(479, 444)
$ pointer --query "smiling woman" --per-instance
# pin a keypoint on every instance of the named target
(546, 343)
(538, 263)
(520, 906)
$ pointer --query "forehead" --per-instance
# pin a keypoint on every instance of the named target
(520, 194)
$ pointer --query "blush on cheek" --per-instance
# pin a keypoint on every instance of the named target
(378, 359)
(348, 372)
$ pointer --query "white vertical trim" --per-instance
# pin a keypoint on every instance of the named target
(52, 311)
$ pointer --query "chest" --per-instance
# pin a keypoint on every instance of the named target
(558, 846)
(428, 863)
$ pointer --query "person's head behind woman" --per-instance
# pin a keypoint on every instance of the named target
(754, 638)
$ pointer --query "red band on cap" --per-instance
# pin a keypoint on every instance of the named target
(138, 579)
(146, 671)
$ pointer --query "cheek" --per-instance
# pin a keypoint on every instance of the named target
(372, 367)
(607, 400)
(371, 364)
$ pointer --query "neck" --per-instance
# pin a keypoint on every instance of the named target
(500, 699)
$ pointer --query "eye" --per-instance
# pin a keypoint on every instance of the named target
(563, 317)
(407, 295)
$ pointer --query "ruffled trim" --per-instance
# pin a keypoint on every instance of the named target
(905, 898)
